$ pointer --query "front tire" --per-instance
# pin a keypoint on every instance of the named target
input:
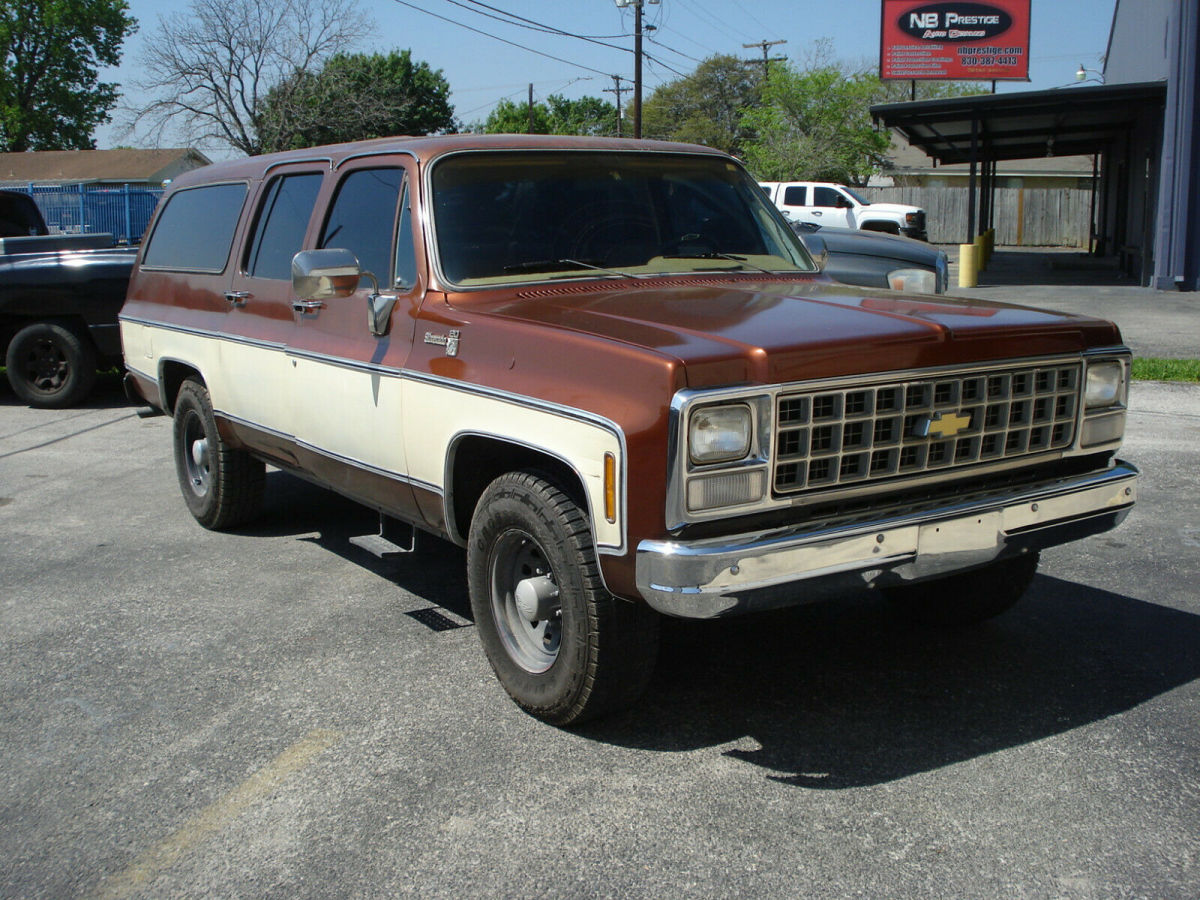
(50, 366)
(222, 487)
(564, 648)
(968, 597)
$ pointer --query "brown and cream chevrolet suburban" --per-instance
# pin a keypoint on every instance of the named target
(609, 369)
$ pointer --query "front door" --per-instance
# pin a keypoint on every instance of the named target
(347, 387)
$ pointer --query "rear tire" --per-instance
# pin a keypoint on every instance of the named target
(50, 366)
(968, 597)
(222, 487)
(564, 648)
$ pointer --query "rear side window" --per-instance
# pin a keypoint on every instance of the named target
(195, 228)
(363, 218)
(824, 196)
(282, 221)
(793, 196)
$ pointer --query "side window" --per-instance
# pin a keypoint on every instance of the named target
(406, 253)
(824, 196)
(282, 220)
(177, 242)
(363, 218)
(793, 196)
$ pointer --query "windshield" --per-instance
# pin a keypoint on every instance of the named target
(856, 196)
(532, 216)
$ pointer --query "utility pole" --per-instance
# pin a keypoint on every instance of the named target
(766, 61)
(637, 59)
(618, 90)
(530, 130)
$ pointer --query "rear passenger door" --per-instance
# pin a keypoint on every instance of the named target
(261, 318)
(346, 388)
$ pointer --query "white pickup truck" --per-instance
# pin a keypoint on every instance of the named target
(824, 203)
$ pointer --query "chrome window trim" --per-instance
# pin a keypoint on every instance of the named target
(162, 205)
(433, 251)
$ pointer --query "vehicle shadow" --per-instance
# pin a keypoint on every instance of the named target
(837, 694)
(436, 571)
(1016, 267)
(848, 694)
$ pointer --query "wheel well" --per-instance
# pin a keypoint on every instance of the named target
(173, 375)
(478, 461)
(11, 324)
(887, 227)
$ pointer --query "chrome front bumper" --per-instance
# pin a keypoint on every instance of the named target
(723, 576)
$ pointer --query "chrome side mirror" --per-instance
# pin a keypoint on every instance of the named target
(817, 250)
(325, 274)
(319, 275)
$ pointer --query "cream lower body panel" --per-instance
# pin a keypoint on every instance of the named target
(402, 424)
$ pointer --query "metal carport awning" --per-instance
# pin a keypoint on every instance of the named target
(1074, 121)
(986, 128)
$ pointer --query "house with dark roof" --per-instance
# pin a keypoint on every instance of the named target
(142, 168)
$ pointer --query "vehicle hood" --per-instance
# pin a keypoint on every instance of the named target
(770, 331)
(898, 208)
(870, 243)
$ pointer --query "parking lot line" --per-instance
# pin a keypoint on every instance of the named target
(217, 815)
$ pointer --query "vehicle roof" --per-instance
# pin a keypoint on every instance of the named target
(426, 149)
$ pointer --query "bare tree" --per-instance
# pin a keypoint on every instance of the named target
(209, 69)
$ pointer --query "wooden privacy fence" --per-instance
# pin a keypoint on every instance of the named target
(1024, 217)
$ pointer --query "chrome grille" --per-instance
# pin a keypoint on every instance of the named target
(843, 436)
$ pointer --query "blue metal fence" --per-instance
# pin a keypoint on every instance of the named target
(124, 210)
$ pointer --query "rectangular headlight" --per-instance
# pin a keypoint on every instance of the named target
(720, 433)
(1105, 384)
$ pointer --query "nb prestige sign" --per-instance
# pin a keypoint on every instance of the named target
(959, 41)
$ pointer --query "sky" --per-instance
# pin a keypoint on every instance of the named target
(482, 69)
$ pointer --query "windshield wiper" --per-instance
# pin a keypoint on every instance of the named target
(716, 254)
(554, 265)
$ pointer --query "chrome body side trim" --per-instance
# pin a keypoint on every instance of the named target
(739, 573)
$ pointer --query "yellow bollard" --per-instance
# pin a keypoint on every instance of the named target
(968, 265)
(980, 252)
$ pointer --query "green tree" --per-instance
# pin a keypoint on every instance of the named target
(51, 97)
(707, 106)
(816, 125)
(557, 115)
(356, 97)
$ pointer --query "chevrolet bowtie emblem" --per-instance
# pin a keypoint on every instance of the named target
(943, 425)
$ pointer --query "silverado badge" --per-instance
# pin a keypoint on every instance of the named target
(450, 342)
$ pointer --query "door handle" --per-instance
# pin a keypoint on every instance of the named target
(816, 212)
(238, 298)
(306, 306)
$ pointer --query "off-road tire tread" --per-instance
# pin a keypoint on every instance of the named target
(622, 636)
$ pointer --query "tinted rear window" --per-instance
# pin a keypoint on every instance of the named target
(195, 228)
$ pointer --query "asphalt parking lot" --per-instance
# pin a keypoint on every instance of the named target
(272, 713)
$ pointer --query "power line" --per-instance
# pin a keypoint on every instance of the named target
(541, 26)
(500, 39)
